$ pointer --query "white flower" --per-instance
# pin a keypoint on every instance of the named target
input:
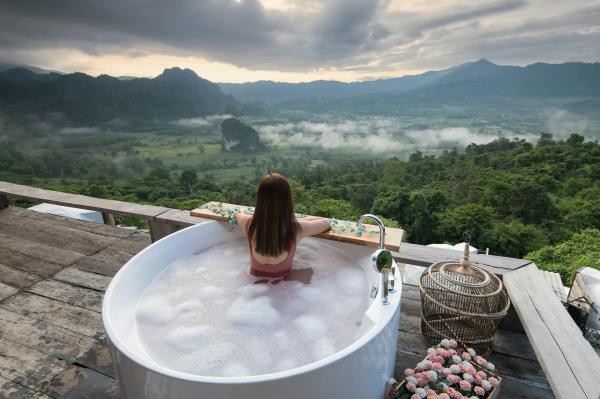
(490, 366)
(431, 351)
(456, 359)
(455, 369)
(485, 384)
(432, 376)
(472, 352)
(421, 392)
(468, 377)
(445, 343)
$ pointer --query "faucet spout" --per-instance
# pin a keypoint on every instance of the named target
(381, 260)
(379, 223)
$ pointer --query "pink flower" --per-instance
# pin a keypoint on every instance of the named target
(479, 391)
(415, 396)
(482, 375)
(454, 379)
(409, 372)
(431, 392)
(466, 356)
(465, 385)
(410, 387)
(453, 343)
(422, 381)
(442, 352)
(437, 366)
(478, 380)
(445, 371)
(480, 361)
(494, 381)
(443, 396)
(431, 356)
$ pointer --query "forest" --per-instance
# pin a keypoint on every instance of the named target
(520, 199)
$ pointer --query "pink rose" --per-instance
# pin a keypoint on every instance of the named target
(443, 396)
(442, 352)
(494, 381)
(465, 385)
(479, 391)
(466, 356)
(454, 379)
(410, 387)
(453, 343)
(452, 352)
(436, 366)
(482, 375)
(415, 396)
(409, 372)
(480, 361)
(431, 392)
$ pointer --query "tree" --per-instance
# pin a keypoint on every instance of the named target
(545, 140)
(188, 179)
(582, 249)
(474, 219)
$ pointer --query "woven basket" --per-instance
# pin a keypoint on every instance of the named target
(462, 301)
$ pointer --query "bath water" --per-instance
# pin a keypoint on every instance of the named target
(206, 315)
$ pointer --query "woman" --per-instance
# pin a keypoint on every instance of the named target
(273, 231)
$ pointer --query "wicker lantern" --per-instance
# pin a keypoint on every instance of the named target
(462, 301)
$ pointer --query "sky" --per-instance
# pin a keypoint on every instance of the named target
(293, 40)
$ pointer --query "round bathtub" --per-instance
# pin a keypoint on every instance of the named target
(358, 371)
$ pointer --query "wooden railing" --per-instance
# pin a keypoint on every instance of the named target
(571, 366)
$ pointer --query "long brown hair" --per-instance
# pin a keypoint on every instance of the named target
(274, 226)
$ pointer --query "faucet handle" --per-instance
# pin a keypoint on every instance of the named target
(383, 262)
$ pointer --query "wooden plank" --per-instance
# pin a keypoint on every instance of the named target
(13, 212)
(39, 251)
(28, 264)
(81, 201)
(180, 218)
(12, 390)
(17, 278)
(393, 236)
(49, 233)
(75, 276)
(422, 255)
(43, 336)
(93, 264)
(571, 365)
(27, 366)
(6, 291)
(78, 382)
(61, 314)
(98, 358)
(74, 295)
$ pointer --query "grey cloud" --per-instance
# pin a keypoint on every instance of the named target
(342, 34)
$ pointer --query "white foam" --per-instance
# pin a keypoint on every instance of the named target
(311, 326)
(205, 315)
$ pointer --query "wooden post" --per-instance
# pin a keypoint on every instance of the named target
(3, 201)
(160, 229)
(109, 218)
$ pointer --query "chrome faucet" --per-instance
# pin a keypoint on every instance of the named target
(381, 260)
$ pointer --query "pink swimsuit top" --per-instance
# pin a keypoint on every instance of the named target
(270, 270)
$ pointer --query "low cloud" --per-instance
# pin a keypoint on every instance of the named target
(201, 120)
(80, 130)
(381, 135)
(561, 123)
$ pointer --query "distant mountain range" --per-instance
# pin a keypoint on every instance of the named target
(85, 100)
(479, 78)
(179, 93)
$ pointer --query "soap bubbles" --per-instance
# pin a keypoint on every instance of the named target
(205, 315)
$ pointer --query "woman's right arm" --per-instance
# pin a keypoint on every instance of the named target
(313, 226)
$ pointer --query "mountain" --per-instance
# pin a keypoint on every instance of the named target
(85, 100)
(7, 66)
(269, 91)
(465, 82)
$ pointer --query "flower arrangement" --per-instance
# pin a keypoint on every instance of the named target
(449, 372)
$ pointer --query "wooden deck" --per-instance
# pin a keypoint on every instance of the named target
(53, 272)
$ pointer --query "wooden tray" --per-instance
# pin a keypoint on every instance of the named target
(369, 238)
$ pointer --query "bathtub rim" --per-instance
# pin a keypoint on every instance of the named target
(385, 313)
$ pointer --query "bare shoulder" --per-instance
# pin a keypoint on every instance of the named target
(243, 219)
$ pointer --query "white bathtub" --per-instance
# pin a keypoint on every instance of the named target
(359, 371)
